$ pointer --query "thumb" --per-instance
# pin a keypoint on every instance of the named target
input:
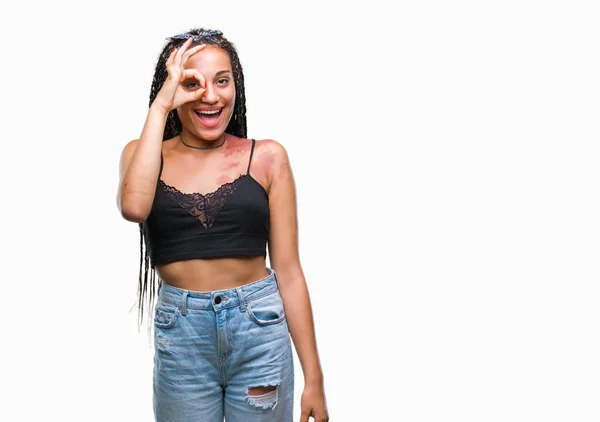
(195, 95)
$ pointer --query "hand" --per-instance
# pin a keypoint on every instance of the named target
(176, 89)
(313, 403)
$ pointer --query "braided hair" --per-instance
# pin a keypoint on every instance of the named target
(173, 127)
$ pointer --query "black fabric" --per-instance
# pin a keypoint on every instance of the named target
(231, 221)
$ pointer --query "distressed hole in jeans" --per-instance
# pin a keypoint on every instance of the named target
(263, 396)
(163, 342)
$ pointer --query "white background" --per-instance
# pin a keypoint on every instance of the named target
(446, 162)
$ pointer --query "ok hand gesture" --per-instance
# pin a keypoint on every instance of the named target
(177, 88)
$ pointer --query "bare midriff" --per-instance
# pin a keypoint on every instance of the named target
(206, 275)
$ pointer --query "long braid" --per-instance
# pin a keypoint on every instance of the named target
(143, 282)
(237, 127)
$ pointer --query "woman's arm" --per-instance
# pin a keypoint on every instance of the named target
(140, 160)
(284, 259)
(139, 168)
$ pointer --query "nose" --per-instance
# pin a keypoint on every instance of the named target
(210, 95)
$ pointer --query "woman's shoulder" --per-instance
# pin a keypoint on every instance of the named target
(272, 148)
(268, 150)
(268, 158)
(273, 160)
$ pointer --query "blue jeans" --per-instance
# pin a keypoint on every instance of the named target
(211, 347)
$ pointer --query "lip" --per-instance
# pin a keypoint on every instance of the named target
(208, 108)
(211, 124)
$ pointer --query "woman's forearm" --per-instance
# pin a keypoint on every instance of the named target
(140, 168)
(299, 316)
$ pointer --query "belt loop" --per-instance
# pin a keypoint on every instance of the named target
(183, 303)
(241, 297)
(275, 276)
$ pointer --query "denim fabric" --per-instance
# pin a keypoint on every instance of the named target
(211, 347)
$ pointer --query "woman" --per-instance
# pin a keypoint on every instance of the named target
(209, 201)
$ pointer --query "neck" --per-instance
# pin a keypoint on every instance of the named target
(203, 144)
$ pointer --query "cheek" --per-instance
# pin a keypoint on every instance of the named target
(181, 114)
(232, 102)
(231, 96)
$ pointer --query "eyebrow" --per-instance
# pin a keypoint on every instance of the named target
(223, 71)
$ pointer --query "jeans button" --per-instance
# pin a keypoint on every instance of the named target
(218, 300)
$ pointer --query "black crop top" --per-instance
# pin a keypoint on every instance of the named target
(231, 221)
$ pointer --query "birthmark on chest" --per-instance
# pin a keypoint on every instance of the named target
(229, 165)
(236, 149)
(224, 178)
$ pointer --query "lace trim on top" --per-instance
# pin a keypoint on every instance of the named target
(205, 208)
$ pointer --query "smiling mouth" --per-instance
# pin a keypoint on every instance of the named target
(209, 117)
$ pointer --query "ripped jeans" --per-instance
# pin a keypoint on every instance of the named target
(222, 354)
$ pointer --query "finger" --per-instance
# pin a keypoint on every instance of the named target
(185, 46)
(169, 62)
(181, 50)
(171, 57)
(194, 73)
(195, 95)
(304, 415)
(191, 52)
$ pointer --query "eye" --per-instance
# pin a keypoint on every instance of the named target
(192, 84)
(223, 81)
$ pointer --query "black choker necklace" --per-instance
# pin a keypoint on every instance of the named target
(191, 146)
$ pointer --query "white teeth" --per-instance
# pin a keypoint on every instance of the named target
(208, 111)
